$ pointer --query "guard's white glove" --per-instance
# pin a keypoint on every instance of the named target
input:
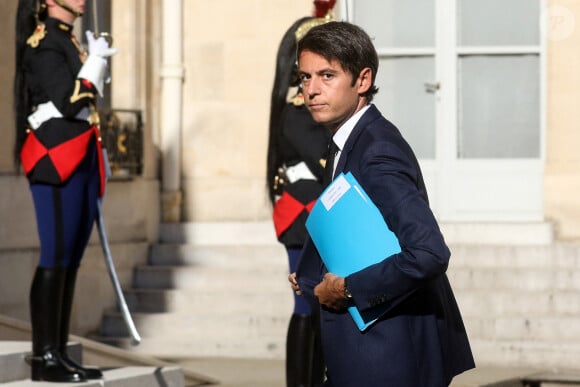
(94, 69)
(99, 46)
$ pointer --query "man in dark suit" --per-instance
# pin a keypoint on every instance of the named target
(420, 340)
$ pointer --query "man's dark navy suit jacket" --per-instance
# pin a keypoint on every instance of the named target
(420, 341)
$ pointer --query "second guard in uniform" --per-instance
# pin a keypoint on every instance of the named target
(295, 166)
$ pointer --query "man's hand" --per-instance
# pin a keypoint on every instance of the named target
(294, 284)
(330, 292)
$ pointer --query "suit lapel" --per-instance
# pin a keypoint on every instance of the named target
(370, 115)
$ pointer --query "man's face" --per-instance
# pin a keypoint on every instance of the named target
(77, 5)
(328, 89)
(59, 12)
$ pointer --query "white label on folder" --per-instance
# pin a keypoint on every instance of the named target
(334, 192)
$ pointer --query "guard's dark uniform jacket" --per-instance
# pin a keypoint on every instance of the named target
(52, 60)
(301, 140)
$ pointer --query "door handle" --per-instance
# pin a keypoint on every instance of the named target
(432, 87)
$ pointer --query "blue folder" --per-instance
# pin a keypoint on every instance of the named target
(350, 234)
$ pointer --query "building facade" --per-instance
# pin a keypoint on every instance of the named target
(486, 92)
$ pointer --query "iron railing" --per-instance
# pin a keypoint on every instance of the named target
(122, 134)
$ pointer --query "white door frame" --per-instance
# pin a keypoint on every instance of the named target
(468, 190)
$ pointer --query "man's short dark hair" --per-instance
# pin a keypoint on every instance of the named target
(346, 43)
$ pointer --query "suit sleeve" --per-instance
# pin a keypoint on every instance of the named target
(392, 179)
(309, 272)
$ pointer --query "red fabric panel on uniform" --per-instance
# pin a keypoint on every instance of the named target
(87, 84)
(32, 151)
(310, 205)
(286, 210)
(102, 172)
(67, 156)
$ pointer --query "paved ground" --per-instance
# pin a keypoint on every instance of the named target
(270, 373)
(240, 372)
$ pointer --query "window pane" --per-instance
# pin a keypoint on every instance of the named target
(499, 107)
(403, 100)
(498, 22)
(397, 23)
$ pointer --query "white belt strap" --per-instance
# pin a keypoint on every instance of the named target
(299, 171)
(46, 111)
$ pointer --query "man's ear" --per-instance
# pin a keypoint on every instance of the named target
(365, 80)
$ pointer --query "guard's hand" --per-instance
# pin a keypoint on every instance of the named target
(99, 46)
(330, 292)
(294, 284)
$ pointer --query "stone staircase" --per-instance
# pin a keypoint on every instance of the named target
(219, 290)
(14, 372)
(520, 304)
(208, 300)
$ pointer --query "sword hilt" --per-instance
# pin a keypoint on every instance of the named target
(108, 37)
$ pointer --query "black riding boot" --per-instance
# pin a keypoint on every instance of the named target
(300, 357)
(67, 304)
(45, 307)
(318, 375)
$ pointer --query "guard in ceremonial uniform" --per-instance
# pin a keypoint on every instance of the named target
(297, 151)
(58, 145)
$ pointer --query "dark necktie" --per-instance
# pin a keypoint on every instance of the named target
(329, 167)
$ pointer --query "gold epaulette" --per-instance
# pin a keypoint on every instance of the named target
(38, 34)
(297, 100)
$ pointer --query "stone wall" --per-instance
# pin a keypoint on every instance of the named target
(562, 176)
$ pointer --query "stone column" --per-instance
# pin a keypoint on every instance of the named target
(172, 77)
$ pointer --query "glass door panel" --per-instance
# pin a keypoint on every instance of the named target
(387, 22)
(498, 22)
(499, 107)
(403, 100)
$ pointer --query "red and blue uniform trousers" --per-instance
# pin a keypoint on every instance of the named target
(65, 213)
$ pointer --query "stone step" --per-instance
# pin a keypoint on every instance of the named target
(231, 256)
(483, 303)
(219, 233)
(15, 372)
(191, 325)
(532, 328)
(557, 354)
(209, 277)
(262, 233)
(494, 376)
(266, 347)
(517, 279)
(175, 300)
(13, 354)
(122, 377)
(557, 255)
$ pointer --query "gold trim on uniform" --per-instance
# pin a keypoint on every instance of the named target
(82, 53)
(298, 100)
(77, 96)
(64, 27)
(295, 96)
(38, 34)
(307, 25)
